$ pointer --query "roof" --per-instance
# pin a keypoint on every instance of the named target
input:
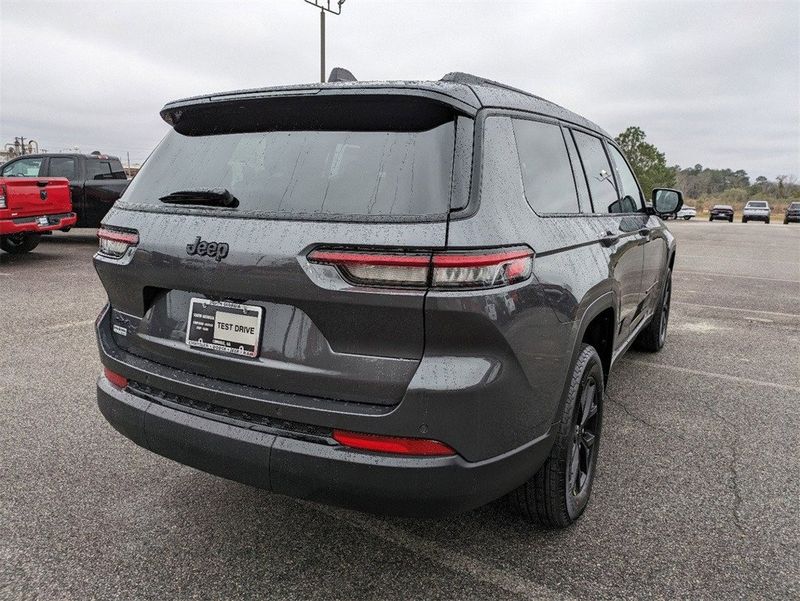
(468, 93)
(44, 155)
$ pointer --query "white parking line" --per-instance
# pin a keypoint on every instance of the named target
(443, 556)
(6, 274)
(66, 326)
(738, 259)
(711, 374)
(730, 275)
(718, 307)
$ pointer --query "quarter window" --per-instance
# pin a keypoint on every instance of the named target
(546, 170)
(598, 173)
(629, 187)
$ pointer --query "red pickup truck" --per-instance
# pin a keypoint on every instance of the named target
(30, 206)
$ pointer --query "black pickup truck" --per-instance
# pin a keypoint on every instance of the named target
(95, 180)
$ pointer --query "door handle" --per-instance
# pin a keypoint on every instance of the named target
(609, 239)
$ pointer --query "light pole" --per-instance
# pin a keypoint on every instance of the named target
(325, 7)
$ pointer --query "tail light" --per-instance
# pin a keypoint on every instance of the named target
(392, 444)
(3, 203)
(442, 270)
(115, 243)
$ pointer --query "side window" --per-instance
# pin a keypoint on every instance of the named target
(577, 172)
(98, 169)
(24, 168)
(62, 167)
(599, 174)
(546, 170)
(629, 189)
(117, 171)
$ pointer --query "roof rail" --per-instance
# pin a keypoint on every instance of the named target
(469, 79)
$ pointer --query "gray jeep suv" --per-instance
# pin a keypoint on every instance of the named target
(401, 297)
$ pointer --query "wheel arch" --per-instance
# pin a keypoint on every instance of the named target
(597, 322)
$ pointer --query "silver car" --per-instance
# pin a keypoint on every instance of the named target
(756, 210)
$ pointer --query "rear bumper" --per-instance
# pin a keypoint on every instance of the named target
(758, 217)
(283, 442)
(316, 468)
(22, 225)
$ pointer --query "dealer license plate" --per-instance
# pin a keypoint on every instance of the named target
(43, 221)
(226, 327)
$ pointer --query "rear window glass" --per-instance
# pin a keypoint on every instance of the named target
(104, 169)
(308, 173)
(546, 170)
(795, 205)
(757, 204)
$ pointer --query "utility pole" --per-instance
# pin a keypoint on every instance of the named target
(324, 7)
(322, 46)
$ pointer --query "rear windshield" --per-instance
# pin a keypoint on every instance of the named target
(795, 205)
(104, 169)
(307, 173)
(757, 204)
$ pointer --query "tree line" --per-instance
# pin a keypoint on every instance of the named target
(650, 166)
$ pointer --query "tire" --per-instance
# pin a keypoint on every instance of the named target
(785, 222)
(711, 219)
(653, 337)
(730, 219)
(744, 219)
(767, 221)
(686, 218)
(17, 244)
(559, 492)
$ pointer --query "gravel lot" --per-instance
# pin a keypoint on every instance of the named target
(697, 491)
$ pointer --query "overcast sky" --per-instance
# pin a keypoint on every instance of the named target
(716, 83)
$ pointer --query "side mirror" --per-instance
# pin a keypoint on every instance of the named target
(667, 201)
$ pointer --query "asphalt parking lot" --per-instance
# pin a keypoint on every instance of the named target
(696, 496)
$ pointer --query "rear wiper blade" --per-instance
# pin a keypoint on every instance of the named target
(208, 197)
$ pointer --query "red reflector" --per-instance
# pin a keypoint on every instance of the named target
(116, 379)
(392, 444)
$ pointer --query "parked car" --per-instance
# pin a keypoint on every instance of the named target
(721, 212)
(335, 299)
(686, 213)
(792, 213)
(31, 206)
(95, 180)
(756, 210)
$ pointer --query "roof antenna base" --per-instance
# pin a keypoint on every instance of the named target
(340, 74)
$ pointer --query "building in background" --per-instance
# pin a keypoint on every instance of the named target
(17, 148)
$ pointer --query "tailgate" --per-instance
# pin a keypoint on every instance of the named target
(320, 335)
(34, 196)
